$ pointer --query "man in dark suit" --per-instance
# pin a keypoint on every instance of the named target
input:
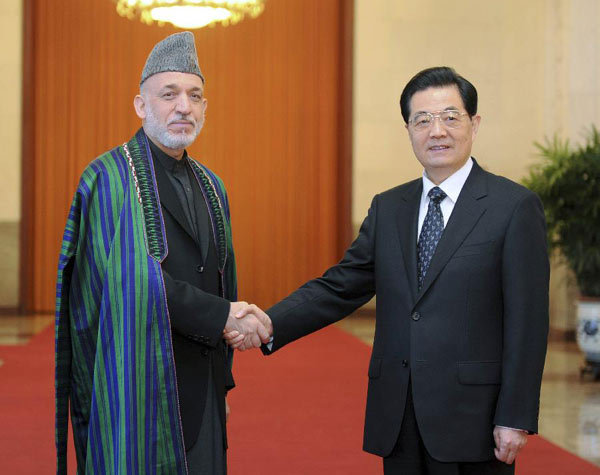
(459, 264)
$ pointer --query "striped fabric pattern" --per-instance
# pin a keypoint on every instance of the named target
(114, 360)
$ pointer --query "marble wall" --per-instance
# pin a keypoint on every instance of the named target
(11, 27)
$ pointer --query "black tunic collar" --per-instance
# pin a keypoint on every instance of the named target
(169, 163)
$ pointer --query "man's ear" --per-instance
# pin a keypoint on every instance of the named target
(475, 127)
(140, 106)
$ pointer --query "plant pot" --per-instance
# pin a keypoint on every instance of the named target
(588, 328)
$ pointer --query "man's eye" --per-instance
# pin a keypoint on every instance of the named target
(168, 95)
(422, 120)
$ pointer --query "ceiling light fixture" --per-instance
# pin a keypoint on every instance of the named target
(190, 13)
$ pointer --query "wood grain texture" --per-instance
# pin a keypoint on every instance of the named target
(277, 130)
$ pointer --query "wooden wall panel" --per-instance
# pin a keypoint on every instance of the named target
(277, 130)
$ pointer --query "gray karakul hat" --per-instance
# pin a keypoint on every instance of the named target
(175, 53)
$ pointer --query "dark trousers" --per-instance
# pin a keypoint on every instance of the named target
(410, 457)
(208, 455)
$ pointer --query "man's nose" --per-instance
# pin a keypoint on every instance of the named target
(183, 104)
(437, 129)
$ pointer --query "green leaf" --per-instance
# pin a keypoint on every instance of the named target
(567, 180)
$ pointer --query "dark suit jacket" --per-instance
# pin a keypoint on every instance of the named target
(473, 340)
(198, 313)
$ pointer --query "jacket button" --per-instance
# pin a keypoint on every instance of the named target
(199, 269)
(404, 363)
(415, 316)
(205, 352)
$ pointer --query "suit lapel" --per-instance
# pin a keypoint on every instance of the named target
(465, 215)
(169, 199)
(407, 221)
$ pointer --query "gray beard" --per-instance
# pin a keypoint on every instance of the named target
(174, 141)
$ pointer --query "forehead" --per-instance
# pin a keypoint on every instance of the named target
(177, 80)
(435, 99)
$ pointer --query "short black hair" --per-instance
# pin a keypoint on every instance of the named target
(439, 76)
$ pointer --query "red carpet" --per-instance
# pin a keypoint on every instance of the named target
(27, 407)
(297, 412)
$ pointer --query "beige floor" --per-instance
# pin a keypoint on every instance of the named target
(570, 406)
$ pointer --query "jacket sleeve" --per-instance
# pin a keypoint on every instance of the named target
(194, 313)
(525, 280)
(341, 290)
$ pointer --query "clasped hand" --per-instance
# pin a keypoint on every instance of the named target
(247, 326)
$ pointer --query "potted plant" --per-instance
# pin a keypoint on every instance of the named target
(568, 183)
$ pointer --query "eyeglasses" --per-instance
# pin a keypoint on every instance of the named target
(451, 119)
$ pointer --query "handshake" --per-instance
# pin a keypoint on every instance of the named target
(247, 327)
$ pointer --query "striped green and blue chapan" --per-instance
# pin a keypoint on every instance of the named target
(115, 371)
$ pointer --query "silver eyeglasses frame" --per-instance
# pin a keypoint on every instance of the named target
(431, 116)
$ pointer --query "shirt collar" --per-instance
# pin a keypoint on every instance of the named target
(451, 185)
(168, 162)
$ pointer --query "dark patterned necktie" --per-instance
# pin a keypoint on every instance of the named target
(432, 230)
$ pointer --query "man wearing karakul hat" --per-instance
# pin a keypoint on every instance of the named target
(146, 286)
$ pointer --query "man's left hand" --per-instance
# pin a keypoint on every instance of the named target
(508, 443)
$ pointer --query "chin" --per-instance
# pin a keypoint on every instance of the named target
(440, 161)
(180, 141)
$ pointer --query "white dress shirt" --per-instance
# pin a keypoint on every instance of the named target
(452, 186)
